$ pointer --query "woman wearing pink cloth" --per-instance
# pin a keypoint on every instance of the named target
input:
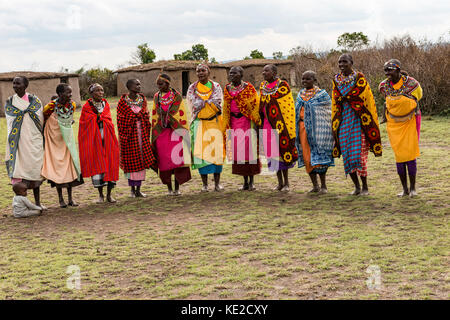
(170, 135)
(241, 117)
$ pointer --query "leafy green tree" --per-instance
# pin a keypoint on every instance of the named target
(277, 55)
(256, 54)
(198, 52)
(143, 54)
(352, 41)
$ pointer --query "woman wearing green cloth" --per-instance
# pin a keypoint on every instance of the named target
(61, 162)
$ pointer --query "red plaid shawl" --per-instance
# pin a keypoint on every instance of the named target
(97, 157)
(130, 153)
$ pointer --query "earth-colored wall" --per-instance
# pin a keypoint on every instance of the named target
(148, 79)
(43, 88)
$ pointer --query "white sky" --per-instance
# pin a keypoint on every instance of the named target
(47, 35)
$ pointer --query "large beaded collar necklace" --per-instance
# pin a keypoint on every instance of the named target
(138, 102)
(64, 111)
(344, 80)
(390, 91)
(266, 91)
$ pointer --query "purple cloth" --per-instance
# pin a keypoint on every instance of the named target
(134, 183)
(412, 167)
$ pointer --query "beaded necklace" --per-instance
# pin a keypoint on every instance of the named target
(266, 91)
(307, 94)
(137, 103)
(64, 111)
(99, 106)
(166, 102)
(390, 91)
(344, 80)
(240, 87)
(203, 94)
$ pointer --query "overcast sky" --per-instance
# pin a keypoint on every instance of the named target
(47, 35)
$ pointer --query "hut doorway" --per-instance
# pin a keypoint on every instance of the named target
(185, 80)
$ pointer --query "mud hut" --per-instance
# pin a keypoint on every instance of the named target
(42, 84)
(253, 70)
(181, 72)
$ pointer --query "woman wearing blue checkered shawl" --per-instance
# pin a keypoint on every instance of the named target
(314, 139)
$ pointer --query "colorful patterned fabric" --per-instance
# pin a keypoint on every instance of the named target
(403, 117)
(206, 128)
(132, 159)
(14, 134)
(99, 153)
(197, 102)
(247, 102)
(278, 108)
(317, 122)
(355, 96)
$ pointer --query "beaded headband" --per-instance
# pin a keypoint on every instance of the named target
(204, 65)
(93, 86)
(392, 64)
(163, 79)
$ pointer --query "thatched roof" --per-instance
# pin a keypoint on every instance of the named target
(31, 75)
(256, 62)
(169, 65)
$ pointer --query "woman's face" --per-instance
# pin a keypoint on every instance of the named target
(202, 73)
(66, 96)
(345, 64)
(163, 86)
(98, 93)
(235, 76)
(392, 73)
(308, 80)
(135, 86)
(268, 73)
(19, 86)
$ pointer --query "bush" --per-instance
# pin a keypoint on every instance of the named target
(423, 60)
(103, 76)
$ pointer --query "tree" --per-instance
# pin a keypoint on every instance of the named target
(277, 55)
(143, 54)
(198, 52)
(256, 54)
(352, 41)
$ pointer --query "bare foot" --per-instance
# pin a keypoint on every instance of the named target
(323, 191)
(413, 193)
(403, 194)
(111, 199)
(285, 189)
(204, 188)
(355, 192)
(218, 188)
(42, 206)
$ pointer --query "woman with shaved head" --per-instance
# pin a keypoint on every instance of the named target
(277, 110)
(241, 116)
(402, 95)
(314, 135)
(133, 124)
(354, 122)
(207, 133)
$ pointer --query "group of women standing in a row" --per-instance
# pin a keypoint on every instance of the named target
(232, 122)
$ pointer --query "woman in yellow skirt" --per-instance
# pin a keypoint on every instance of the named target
(403, 117)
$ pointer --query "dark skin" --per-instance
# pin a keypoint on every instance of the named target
(133, 90)
(97, 96)
(164, 88)
(270, 76)
(346, 67)
(308, 81)
(394, 75)
(64, 98)
(20, 87)
(235, 77)
(23, 192)
(203, 77)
